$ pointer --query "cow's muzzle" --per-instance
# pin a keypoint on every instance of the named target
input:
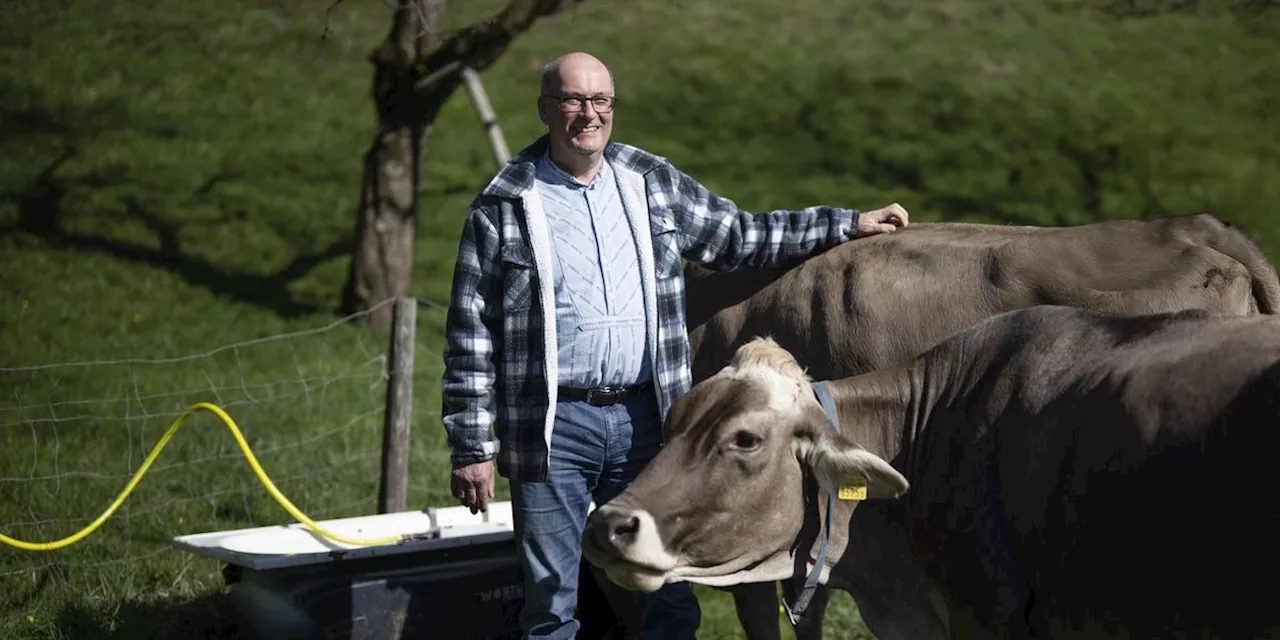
(626, 543)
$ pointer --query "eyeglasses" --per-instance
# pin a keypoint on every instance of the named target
(570, 104)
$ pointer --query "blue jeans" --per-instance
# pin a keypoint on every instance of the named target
(595, 453)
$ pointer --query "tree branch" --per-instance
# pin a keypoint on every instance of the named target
(480, 45)
(327, 15)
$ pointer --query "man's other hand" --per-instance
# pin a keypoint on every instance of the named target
(472, 485)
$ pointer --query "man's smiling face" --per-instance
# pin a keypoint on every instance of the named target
(580, 130)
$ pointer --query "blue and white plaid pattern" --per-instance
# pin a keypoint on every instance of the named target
(494, 344)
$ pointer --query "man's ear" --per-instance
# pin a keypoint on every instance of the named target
(853, 472)
(542, 111)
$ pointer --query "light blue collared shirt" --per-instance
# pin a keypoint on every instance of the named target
(599, 301)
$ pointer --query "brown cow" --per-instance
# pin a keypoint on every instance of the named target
(882, 300)
(1061, 473)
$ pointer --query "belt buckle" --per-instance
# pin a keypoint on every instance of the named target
(602, 396)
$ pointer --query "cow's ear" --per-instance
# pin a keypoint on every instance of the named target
(854, 472)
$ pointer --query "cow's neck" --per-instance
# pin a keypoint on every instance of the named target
(887, 411)
(875, 409)
(883, 412)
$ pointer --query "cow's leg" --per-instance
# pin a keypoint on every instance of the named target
(757, 605)
(607, 611)
(809, 627)
(966, 626)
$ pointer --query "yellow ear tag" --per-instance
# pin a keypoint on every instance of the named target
(853, 487)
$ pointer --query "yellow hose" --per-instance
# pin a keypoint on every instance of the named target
(151, 457)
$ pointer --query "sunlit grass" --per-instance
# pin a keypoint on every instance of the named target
(180, 176)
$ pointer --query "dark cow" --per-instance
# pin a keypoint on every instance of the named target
(1048, 472)
(882, 300)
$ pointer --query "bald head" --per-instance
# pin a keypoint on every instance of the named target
(576, 104)
(572, 65)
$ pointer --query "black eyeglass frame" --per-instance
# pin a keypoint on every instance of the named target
(566, 102)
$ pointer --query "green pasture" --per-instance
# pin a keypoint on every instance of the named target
(178, 183)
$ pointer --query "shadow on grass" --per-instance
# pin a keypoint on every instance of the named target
(40, 214)
(205, 618)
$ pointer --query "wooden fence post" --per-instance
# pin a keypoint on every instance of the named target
(394, 485)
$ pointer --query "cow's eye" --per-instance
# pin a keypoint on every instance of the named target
(746, 440)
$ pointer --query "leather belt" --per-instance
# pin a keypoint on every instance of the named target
(602, 396)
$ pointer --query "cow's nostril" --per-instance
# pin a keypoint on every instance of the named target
(623, 528)
(628, 528)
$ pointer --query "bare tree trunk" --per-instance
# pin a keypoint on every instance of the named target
(414, 74)
(385, 226)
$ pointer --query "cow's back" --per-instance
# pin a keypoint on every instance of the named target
(1118, 458)
(878, 301)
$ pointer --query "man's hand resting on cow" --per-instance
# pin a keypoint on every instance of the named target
(882, 220)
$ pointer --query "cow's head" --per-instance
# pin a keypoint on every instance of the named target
(723, 502)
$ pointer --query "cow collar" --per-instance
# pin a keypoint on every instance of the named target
(794, 611)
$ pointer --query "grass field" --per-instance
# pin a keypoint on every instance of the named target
(176, 177)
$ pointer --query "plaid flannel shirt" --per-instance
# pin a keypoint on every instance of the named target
(498, 387)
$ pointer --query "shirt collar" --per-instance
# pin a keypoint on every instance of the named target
(517, 176)
(549, 171)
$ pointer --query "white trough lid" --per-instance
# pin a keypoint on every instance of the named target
(295, 544)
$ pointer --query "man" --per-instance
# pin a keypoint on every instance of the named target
(566, 328)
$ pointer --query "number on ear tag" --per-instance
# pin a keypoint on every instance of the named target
(853, 487)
